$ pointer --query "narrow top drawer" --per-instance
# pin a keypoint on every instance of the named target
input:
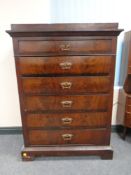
(67, 47)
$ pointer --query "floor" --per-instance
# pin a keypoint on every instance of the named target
(11, 163)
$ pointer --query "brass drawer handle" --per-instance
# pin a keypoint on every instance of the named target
(128, 112)
(65, 65)
(66, 120)
(67, 136)
(65, 47)
(66, 85)
(66, 104)
(25, 110)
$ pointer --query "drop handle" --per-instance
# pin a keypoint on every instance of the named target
(65, 65)
(65, 47)
(67, 136)
(66, 104)
(66, 85)
(66, 120)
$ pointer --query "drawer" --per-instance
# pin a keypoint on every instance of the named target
(61, 47)
(129, 69)
(64, 65)
(61, 137)
(128, 104)
(66, 85)
(128, 108)
(128, 100)
(64, 103)
(90, 119)
(128, 119)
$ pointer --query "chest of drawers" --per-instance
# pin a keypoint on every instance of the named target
(65, 76)
(127, 84)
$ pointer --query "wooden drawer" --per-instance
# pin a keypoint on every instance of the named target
(66, 85)
(64, 103)
(129, 69)
(128, 119)
(64, 65)
(61, 137)
(90, 119)
(128, 108)
(128, 100)
(61, 47)
(127, 55)
(128, 104)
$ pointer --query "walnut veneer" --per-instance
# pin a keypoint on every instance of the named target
(65, 76)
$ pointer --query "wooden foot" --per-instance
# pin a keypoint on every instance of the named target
(107, 155)
(124, 133)
(29, 153)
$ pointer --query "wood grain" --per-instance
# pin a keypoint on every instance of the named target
(84, 136)
(66, 85)
(41, 47)
(51, 65)
(90, 119)
(54, 103)
(67, 121)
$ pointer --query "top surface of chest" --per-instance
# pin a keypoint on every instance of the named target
(86, 29)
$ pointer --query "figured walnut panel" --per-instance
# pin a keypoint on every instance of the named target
(65, 47)
(66, 85)
(62, 137)
(65, 65)
(63, 103)
(90, 119)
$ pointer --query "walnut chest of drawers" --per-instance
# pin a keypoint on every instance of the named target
(127, 84)
(65, 76)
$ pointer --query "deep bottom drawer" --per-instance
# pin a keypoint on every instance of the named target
(56, 137)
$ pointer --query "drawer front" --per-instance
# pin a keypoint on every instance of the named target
(66, 85)
(64, 65)
(90, 119)
(128, 108)
(128, 104)
(64, 103)
(129, 69)
(128, 100)
(46, 47)
(128, 119)
(56, 137)
(129, 63)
